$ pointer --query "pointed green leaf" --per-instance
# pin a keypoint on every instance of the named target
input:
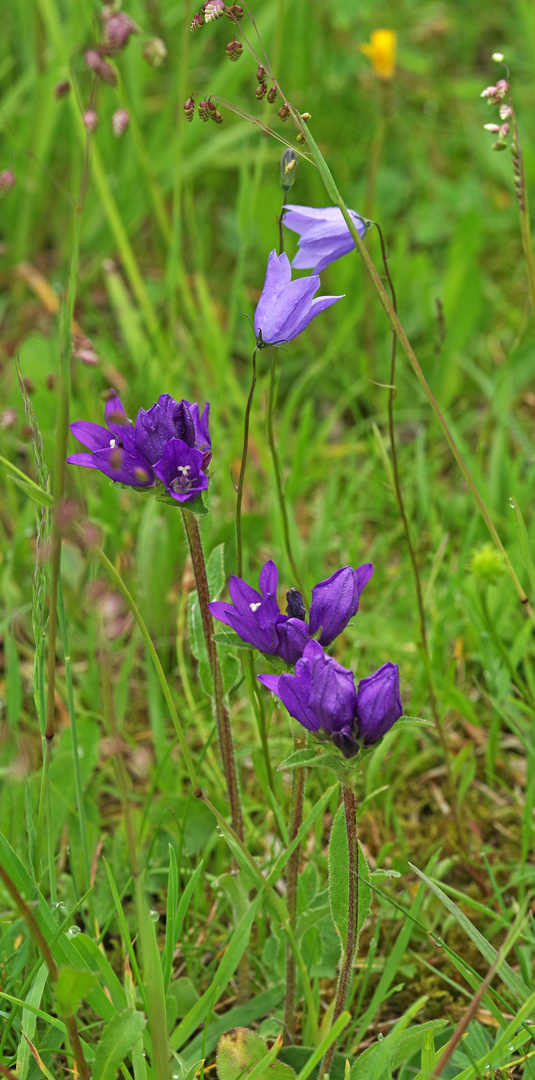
(116, 1042)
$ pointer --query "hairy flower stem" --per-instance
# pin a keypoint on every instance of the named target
(352, 919)
(452, 791)
(398, 330)
(279, 480)
(221, 711)
(248, 407)
(296, 819)
(522, 200)
(39, 938)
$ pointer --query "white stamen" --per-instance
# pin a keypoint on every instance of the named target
(254, 607)
(183, 468)
(113, 444)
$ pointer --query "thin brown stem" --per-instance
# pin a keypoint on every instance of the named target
(296, 818)
(352, 919)
(248, 407)
(221, 711)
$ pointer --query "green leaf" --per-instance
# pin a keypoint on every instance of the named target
(239, 1050)
(231, 639)
(317, 758)
(195, 507)
(116, 1041)
(378, 1061)
(523, 540)
(215, 572)
(339, 880)
(72, 985)
(506, 973)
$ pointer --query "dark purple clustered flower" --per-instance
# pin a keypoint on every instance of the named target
(323, 235)
(169, 442)
(286, 307)
(256, 616)
(322, 697)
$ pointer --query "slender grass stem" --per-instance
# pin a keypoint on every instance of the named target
(257, 702)
(279, 481)
(39, 938)
(296, 820)
(352, 918)
(241, 481)
(398, 330)
(523, 206)
(221, 711)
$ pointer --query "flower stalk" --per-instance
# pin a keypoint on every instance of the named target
(352, 918)
(222, 716)
(296, 819)
(279, 480)
(243, 467)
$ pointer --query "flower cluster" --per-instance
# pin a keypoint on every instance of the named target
(321, 695)
(169, 442)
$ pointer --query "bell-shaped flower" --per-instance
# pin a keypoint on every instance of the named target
(286, 307)
(113, 449)
(169, 419)
(257, 619)
(323, 235)
(181, 469)
(336, 600)
(322, 697)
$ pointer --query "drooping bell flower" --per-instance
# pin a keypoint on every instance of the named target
(322, 697)
(323, 234)
(286, 307)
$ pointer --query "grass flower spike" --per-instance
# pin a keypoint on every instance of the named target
(382, 52)
(322, 697)
(286, 307)
(323, 235)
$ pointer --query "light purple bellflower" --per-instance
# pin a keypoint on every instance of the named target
(323, 235)
(257, 619)
(286, 307)
(322, 697)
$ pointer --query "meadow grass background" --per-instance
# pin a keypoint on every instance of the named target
(176, 228)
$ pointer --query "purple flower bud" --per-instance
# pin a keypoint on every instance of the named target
(336, 600)
(323, 235)
(378, 704)
(7, 180)
(101, 67)
(120, 122)
(90, 120)
(286, 307)
(117, 29)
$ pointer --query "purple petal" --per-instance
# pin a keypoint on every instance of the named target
(378, 703)
(278, 277)
(115, 415)
(271, 681)
(249, 630)
(336, 600)
(269, 578)
(293, 635)
(293, 692)
(243, 595)
(91, 435)
(221, 611)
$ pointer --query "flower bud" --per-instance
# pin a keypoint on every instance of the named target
(205, 108)
(499, 145)
(502, 87)
(488, 92)
(504, 130)
(289, 162)
(216, 117)
(102, 69)
(235, 12)
(83, 350)
(234, 50)
(197, 22)
(284, 111)
(8, 418)
(61, 89)
(155, 52)
(487, 564)
(300, 137)
(272, 94)
(120, 122)
(505, 111)
(497, 57)
(261, 90)
(189, 108)
(260, 73)
(305, 117)
(494, 128)
(90, 120)
(7, 180)
(116, 30)
(213, 10)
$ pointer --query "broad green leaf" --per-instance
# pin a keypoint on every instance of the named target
(239, 1050)
(116, 1042)
(29, 1021)
(339, 880)
(72, 985)
(195, 507)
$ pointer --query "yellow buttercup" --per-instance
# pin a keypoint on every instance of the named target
(382, 52)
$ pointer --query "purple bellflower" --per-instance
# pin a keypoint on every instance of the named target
(323, 235)
(113, 449)
(286, 307)
(322, 697)
(256, 618)
(169, 442)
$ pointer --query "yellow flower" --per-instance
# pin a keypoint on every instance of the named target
(382, 52)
